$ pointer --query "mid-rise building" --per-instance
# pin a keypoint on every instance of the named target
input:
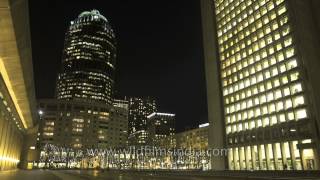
(262, 67)
(80, 125)
(194, 138)
(159, 127)
(17, 98)
(88, 61)
(139, 109)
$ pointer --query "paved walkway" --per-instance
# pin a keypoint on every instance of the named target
(118, 175)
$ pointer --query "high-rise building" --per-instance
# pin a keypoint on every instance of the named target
(139, 109)
(160, 126)
(17, 97)
(262, 67)
(88, 62)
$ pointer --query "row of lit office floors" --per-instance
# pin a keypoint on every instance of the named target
(273, 156)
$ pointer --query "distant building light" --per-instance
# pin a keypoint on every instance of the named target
(40, 112)
(203, 125)
(32, 147)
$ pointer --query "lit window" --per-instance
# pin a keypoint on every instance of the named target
(267, 74)
(296, 88)
(273, 60)
(240, 127)
(280, 56)
(252, 125)
(272, 108)
(297, 101)
(283, 68)
(277, 34)
(286, 91)
(273, 120)
(259, 123)
(266, 121)
(290, 116)
(278, 94)
(274, 71)
(285, 30)
(290, 52)
(263, 99)
(269, 96)
(301, 114)
(292, 64)
(265, 110)
(294, 76)
(280, 106)
(282, 118)
(281, 10)
(288, 42)
(288, 103)
(246, 125)
(228, 129)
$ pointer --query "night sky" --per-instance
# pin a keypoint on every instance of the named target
(159, 50)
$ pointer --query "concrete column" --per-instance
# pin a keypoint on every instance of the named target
(214, 92)
(253, 155)
(267, 156)
(3, 143)
(306, 17)
(275, 156)
(292, 155)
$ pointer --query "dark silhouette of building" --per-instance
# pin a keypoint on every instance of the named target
(159, 127)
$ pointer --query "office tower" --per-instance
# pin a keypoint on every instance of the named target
(80, 125)
(17, 98)
(139, 109)
(160, 126)
(262, 67)
(88, 62)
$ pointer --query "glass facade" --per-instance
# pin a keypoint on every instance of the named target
(88, 62)
(265, 106)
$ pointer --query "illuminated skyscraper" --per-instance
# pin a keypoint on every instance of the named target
(139, 109)
(88, 62)
(262, 67)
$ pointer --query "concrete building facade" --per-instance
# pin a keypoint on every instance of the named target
(17, 98)
(262, 67)
(79, 125)
(194, 138)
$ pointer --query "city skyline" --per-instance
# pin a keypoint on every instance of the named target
(205, 89)
(174, 77)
